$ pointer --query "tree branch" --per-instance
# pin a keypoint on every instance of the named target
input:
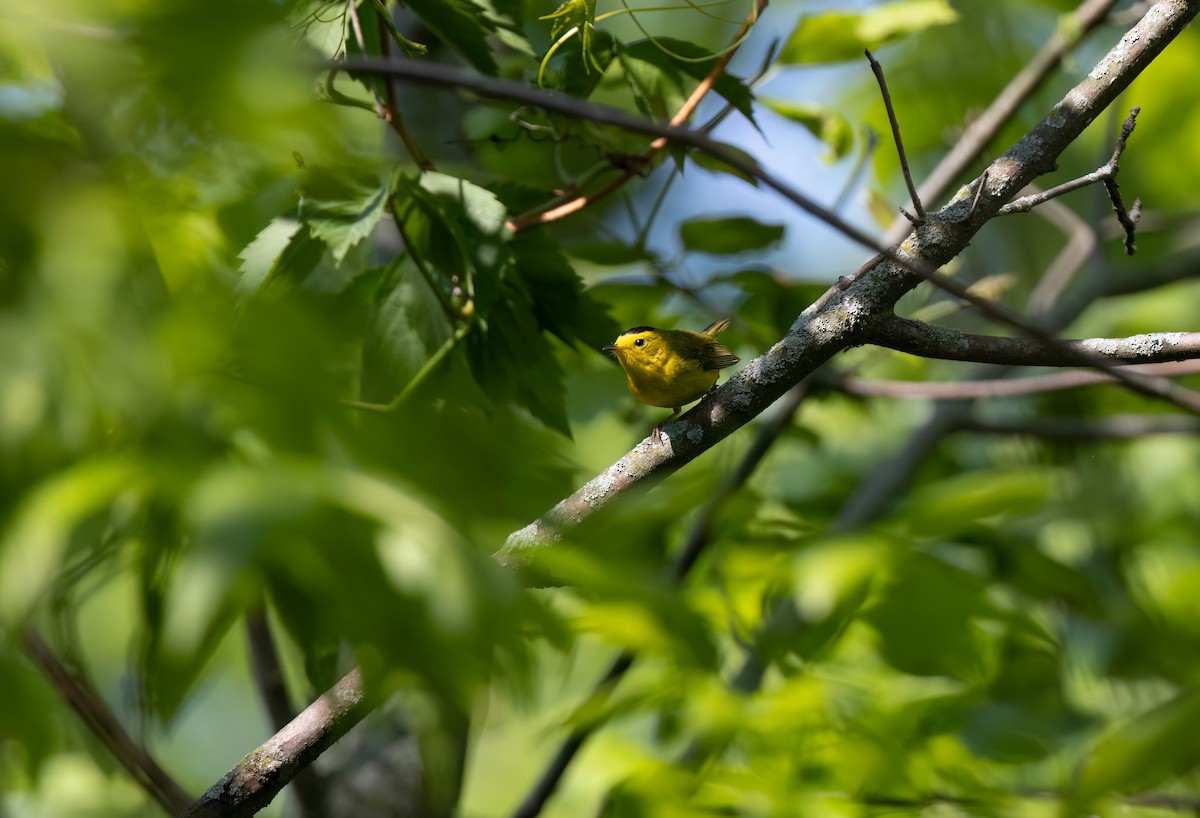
(104, 724)
(930, 341)
(698, 540)
(258, 777)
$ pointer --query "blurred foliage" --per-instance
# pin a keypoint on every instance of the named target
(257, 351)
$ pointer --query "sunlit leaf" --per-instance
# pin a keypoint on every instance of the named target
(834, 36)
(821, 121)
(341, 211)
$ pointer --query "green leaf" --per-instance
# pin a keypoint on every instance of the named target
(681, 57)
(1143, 752)
(459, 227)
(837, 36)
(821, 121)
(295, 261)
(404, 329)
(513, 362)
(831, 581)
(656, 82)
(730, 236)
(26, 710)
(461, 25)
(260, 255)
(609, 253)
(341, 211)
(963, 502)
(927, 614)
(714, 164)
(560, 303)
(41, 530)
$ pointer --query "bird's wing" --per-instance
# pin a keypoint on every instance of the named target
(717, 356)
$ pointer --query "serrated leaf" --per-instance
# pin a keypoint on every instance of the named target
(730, 236)
(655, 81)
(404, 329)
(836, 36)
(560, 303)
(821, 121)
(609, 253)
(461, 25)
(260, 255)
(513, 362)
(342, 212)
(475, 221)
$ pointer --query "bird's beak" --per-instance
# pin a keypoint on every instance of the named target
(609, 348)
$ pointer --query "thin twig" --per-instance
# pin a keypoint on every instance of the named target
(979, 188)
(895, 123)
(422, 375)
(1105, 173)
(104, 724)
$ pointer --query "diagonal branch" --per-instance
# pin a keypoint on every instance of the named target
(258, 777)
(105, 726)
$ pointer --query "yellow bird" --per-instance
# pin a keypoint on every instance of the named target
(671, 367)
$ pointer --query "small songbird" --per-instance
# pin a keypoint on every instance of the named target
(671, 367)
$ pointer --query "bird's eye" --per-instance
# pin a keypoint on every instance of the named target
(640, 342)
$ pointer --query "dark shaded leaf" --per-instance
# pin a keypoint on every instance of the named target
(728, 236)
(461, 25)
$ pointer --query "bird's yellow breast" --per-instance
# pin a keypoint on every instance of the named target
(659, 375)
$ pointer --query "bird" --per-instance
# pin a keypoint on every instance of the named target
(669, 368)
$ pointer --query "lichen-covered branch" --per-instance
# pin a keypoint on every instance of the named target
(258, 777)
